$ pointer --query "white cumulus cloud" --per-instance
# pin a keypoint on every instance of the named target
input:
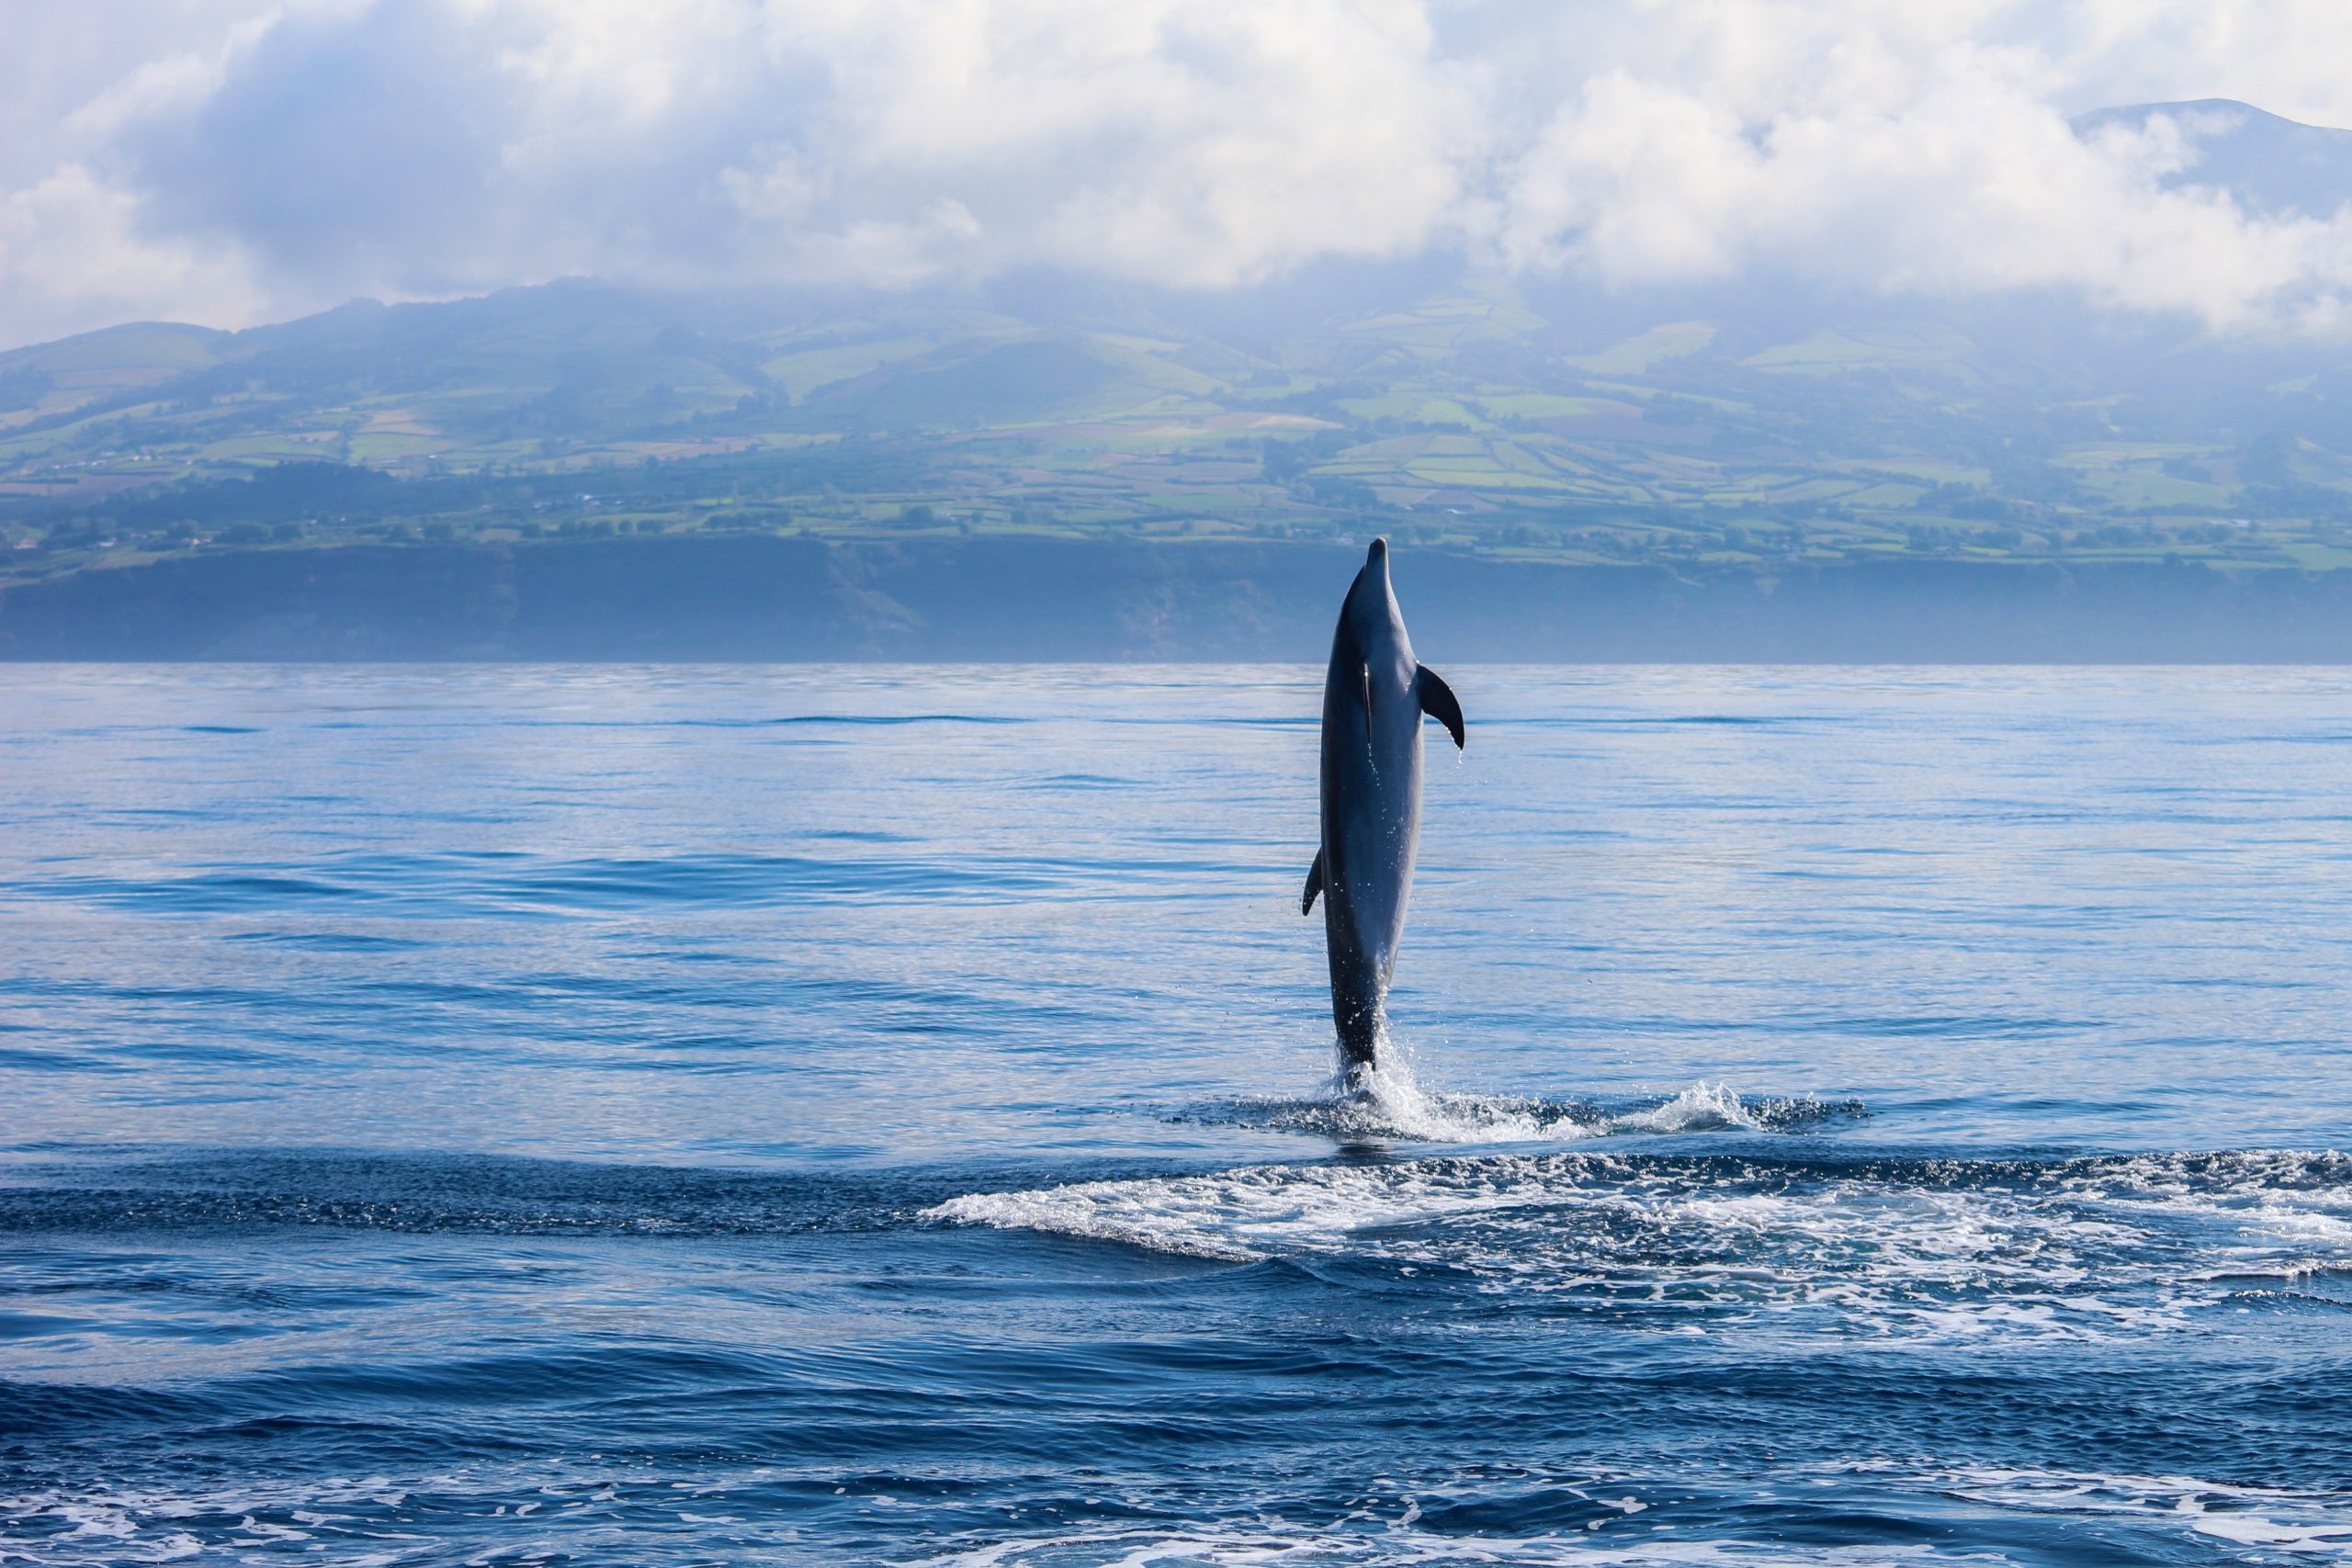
(231, 161)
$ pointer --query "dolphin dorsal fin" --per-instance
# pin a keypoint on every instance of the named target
(1314, 886)
(1437, 701)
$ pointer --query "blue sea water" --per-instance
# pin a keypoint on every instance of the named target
(860, 1115)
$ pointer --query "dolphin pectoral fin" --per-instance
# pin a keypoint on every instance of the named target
(1437, 701)
(1314, 886)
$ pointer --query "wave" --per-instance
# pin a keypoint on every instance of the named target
(1873, 1247)
(2280, 1517)
(2111, 1517)
(203, 1192)
(1814, 1240)
(623, 1509)
(508, 885)
(1401, 1547)
(476, 1512)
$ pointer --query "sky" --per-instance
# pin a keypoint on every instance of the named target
(230, 162)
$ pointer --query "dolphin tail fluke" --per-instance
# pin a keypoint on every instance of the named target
(1314, 886)
(1437, 701)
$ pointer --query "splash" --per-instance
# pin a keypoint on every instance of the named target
(1386, 1100)
(1704, 1107)
(1388, 1103)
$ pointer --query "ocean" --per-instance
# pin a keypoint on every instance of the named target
(733, 1114)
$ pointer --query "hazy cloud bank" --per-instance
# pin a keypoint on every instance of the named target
(230, 161)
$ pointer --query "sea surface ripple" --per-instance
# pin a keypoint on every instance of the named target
(683, 1115)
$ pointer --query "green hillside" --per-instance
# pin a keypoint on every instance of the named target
(1482, 415)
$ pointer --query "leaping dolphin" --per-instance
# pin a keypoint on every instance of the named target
(1372, 702)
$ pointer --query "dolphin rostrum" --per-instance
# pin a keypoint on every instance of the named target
(1372, 702)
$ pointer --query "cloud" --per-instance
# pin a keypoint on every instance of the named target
(75, 254)
(249, 160)
(1959, 178)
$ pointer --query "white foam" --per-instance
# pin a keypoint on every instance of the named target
(2313, 1525)
(2094, 1248)
(1404, 1547)
(1387, 1104)
(1389, 1101)
(1703, 1107)
(108, 1524)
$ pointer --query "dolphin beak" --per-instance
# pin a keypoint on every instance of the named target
(1379, 552)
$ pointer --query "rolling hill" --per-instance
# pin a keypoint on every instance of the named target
(1748, 428)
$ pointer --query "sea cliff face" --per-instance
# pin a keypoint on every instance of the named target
(764, 598)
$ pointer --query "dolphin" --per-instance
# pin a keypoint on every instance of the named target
(1373, 699)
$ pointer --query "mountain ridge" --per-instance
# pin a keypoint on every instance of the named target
(1522, 418)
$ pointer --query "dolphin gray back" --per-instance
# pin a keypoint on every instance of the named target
(1374, 696)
